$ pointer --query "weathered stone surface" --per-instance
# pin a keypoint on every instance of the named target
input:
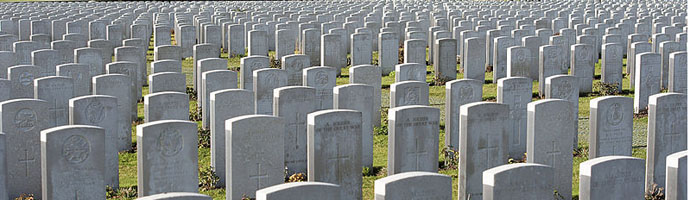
(409, 93)
(427, 185)
(300, 190)
(247, 67)
(359, 97)
(323, 79)
(224, 105)
(612, 177)
(167, 157)
(265, 82)
(610, 126)
(458, 93)
(677, 176)
(369, 74)
(117, 85)
(413, 139)
(177, 196)
(516, 92)
(293, 103)
(648, 79)
(410, 72)
(166, 106)
(483, 144)
(255, 157)
(666, 130)
(508, 181)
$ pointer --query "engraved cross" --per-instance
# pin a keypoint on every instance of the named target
(417, 152)
(516, 114)
(258, 176)
(553, 153)
(338, 158)
(57, 112)
(26, 160)
(299, 123)
(488, 148)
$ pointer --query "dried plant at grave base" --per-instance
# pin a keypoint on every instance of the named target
(557, 195)
(110, 192)
(581, 152)
(375, 62)
(489, 68)
(195, 115)
(121, 193)
(348, 61)
(450, 158)
(391, 74)
(298, 177)
(606, 88)
(438, 81)
(401, 57)
(274, 63)
(654, 193)
(204, 138)
(522, 160)
(642, 113)
(245, 197)
(25, 197)
(192, 93)
(208, 179)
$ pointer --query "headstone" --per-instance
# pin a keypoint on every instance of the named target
(369, 74)
(293, 65)
(224, 105)
(7, 60)
(247, 67)
(612, 177)
(666, 49)
(22, 121)
(311, 45)
(413, 140)
(56, 90)
(117, 85)
(46, 59)
(22, 79)
(483, 144)
(91, 57)
(409, 93)
(666, 134)
(166, 106)
(677, 176)
(552, 61)
(129, 69)
(187, 40)
(410, 72)
(285, 43)
(334, 149)
(565, 87)
(166, 66)
(445, 65)
(293, 103)
(474, 58)
(5, 89)
(167, 52)
(508, 181)
(518, 61)
(549, 125)
(331, 52)
(23, 49)
(205, 65)
(648, 79)
(72, 164)
(415, 51)
(458, 93)
(612, 64)
(236, 40)
(427, 185)
(516, 92)
(107, 49)
(300, 190)
(610, 126)
(167, 159)
(255, 157)
(677, 81)
(500, 57)
(212, 81)
(65, 48)
(265, 81)
(361, 49)
(202, 51)
(167, 82)
(257, 43)
(100, 111)
(323, 79)
(583, 65)
(387, 52)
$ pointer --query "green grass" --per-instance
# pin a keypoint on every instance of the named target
(128, 174)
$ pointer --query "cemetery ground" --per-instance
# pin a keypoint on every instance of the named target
(447, 164)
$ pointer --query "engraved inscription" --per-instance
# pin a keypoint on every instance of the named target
(25, 120)
(95, 112)
(170, 142)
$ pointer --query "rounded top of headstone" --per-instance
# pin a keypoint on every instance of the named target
(594, 103)
(673, 159)
(482, 107)
(45, 132)
(324, 113)
(666, 96)
(488, 175)
(176, 196)
(586, 166)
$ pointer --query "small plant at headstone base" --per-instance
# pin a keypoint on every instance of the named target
(192, 93)
(557, 195)
(375, 62)
(204, 138)
(401, 57)
(581, 152)
(208, 179)
(110, 192)
(437, 81)
(654, 193)
(367, 171)
(522, 160)
(245, 197)
(348, 61)
(450, 158)
(391, 74)
(195, 115)
(25, 197)
(298, 177)
(121, 193)
(605, 89)
(274, 63)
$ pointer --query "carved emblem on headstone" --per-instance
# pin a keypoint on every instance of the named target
(95, 112)
(411, 96)
(26, 78)
(76, 149)
(321, 78)
(170, 142)
(614, 115)
(25, 120)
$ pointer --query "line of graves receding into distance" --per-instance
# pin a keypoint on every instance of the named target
(73, 73)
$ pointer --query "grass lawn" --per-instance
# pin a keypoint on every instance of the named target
(128, 174)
